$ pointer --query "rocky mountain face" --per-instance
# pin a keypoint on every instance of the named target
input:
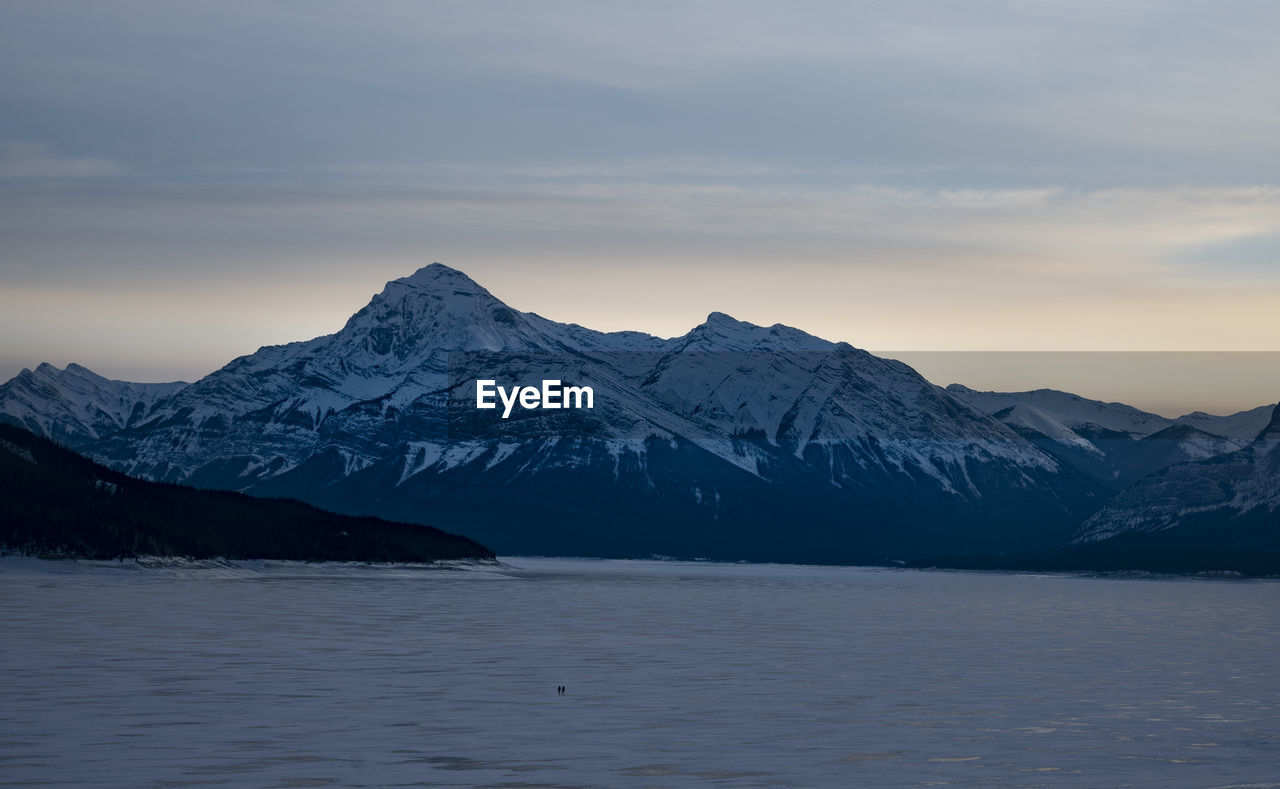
(732, 441)
(76, 406)
(1193, 493)
(1113, 443)
(1230, 500)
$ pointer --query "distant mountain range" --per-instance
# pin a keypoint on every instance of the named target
(733, 441)
(1229, 500)
(76, 406)
(1200, 492)
(1114, 443)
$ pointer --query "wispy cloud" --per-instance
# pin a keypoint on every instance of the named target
(35, 160)
(1041, 174)
(1048, 237)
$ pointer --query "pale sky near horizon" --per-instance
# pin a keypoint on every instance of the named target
(181, 183)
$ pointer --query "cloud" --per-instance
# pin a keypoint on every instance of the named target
(1085, 94)
(1094, 174)
(716, 216)
(34, 160)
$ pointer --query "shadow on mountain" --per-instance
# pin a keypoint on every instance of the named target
(53, 501)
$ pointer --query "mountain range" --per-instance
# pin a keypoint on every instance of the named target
(732, 441)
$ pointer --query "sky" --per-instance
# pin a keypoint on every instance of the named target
(181, 183)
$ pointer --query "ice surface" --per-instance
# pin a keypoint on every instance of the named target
(678, 674)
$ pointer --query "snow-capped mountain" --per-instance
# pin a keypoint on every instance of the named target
(1084, 416)
(733, 440)
(1072, 411)
(1242, 427)
(1114, 443)
(1230, 500)
(1029, 420)
(386, 370)
(76, 405)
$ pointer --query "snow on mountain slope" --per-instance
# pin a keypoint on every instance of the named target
(1113, 443)
(1035, 421)
(1077, 413)
(391, 356)
(1208, 494)
(762, 425)
(397, 346)
(1241, 427)
(806, 393)
(1193, 443)
(385, 377)
(76, 405)
(1072, 411)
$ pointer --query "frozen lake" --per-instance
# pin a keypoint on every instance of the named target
(277, 674)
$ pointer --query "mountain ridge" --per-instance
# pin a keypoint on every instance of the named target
(85, 405)
(700, 444)
(1193, 500)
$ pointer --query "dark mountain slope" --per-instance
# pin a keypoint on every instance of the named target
(55, 501)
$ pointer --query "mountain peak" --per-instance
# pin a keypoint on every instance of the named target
(84, 372)
(720, 327)
(721, 332)
(72, 370)
(438, 275)
(431, 290)
(434, 309)
(720, 318)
